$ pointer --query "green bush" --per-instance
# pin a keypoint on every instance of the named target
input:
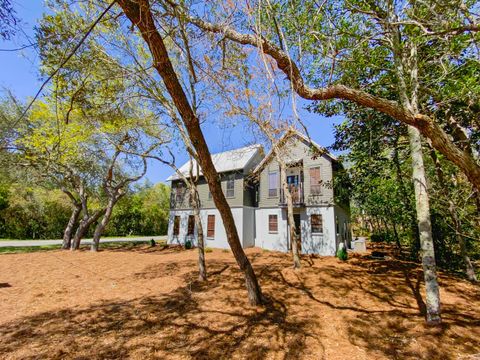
(342, 254)
(188, 244)
(376, 238)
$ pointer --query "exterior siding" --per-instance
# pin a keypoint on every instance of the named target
(297, 149)
(203, 190)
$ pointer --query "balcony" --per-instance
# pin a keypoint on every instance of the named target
(296, 190)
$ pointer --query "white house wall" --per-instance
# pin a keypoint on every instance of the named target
(343, 234)
(266, 240)
(324, 243)
(220, 238)
(248, 227)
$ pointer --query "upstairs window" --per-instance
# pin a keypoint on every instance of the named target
(191, 225)
(272, 184)
(176, 225)
(316, 222)
(272, 224)
(230, 186)
(315, 181)
(179, 192)
(211, 226)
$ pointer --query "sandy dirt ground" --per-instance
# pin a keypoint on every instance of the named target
(145, 303)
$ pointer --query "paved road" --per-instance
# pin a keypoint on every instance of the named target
(6, 243)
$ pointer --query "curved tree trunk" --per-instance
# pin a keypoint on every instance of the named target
(67, 234)
(83, 227)
(103, 224)
(140, 14)
(432, 302)
(291, 220)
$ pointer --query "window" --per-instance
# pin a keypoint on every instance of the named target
(272, 184)
(179, 191)
(191, 225)
(176, 225)
(230, 185)
(316, 222)
(315, 181)
(272, 223)
(211, 226)
(336, 225)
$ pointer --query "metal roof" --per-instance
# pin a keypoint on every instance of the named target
(237, 159)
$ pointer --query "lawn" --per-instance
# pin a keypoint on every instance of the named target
(142, 303)
(104, 244)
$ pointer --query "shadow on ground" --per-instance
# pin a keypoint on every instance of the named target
(360, 309)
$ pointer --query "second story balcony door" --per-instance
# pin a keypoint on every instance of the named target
(294, 187)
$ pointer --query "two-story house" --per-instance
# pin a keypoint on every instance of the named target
(321, 222)
(234, 168)
(251, 183)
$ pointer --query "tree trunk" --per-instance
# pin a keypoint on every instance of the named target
(67, 234)
(83, 227)
(291, 220)
(140, 15)
(202, 268)
(469, 269)
(432, 302)
(452, 209)
(103, 224)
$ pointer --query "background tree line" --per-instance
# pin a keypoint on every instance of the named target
(29, 211)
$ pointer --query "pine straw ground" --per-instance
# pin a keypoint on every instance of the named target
(144, 303)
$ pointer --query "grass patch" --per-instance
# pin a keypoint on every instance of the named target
(208, 250)
(27, 249)
(103, 246)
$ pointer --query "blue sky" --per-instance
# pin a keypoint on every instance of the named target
(21, 77)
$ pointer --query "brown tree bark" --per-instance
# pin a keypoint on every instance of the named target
(140, 14)
(100, 228)
(67, 234)
(83, 227)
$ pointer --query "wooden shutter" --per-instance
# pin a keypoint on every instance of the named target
(191, 225)
(211, 226)
(176, 225)
(315, 181)
(272, 223)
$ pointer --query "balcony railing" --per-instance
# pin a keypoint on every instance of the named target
(297, 195)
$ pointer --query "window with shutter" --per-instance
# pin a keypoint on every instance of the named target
(272, 223)
(211, 226)
(316, 222)
(315, 181)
